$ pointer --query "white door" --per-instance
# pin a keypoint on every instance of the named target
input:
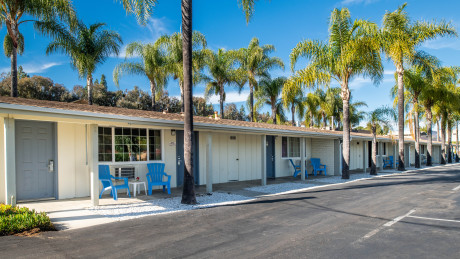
(233, 158)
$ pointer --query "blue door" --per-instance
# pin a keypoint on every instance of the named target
(180, 157)
(35, 160)
(270, 156)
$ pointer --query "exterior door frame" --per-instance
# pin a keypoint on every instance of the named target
(55, 158)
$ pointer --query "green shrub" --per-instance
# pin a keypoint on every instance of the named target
(15, 220)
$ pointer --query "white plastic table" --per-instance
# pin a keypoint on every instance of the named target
(135, 184)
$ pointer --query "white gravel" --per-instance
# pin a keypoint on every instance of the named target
(167, 205)
(279, 188)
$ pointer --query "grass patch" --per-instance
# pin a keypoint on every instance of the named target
(14, 220)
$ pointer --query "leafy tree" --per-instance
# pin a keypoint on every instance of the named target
(135, 99)
(45, 16)
(269, 93)
(201, 108)
(153, 65)
(256, 62)
(353, 49)
(103, 81)
(87, 48)
(380, 117)
(232, 113)
(400, 38)
(222, 72)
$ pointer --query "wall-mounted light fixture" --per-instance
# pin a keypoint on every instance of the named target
(173, 132)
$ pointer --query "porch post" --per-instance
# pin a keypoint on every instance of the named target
(380, 155)
(93, 164)
(209, 164)
(394, 155)
(302, 159)
(9, 151)
(263, 143)
(365, 157)
(340, 156)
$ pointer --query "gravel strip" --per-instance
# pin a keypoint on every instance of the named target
(167, 205)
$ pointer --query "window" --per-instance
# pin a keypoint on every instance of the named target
(129, 144)
(384, 149)
(105, 144)
(290, 147)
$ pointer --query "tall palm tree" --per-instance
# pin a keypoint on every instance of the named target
(45, 16)
(153, 65)
(142, 9)
(352, 50)
(356, 115)
(400, 39)
(87, 48)
(380, 117)
(269, 92)
(294, 100)
(172, 45)
(311, 104)
(222, 72)
(256, 62)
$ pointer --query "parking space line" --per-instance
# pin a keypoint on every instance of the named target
(389, 223)
(456, 188)
(446, 220)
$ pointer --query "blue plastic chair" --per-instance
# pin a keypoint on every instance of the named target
(106, 178)
(388, 161)
(297, 169)
(156, 175)
(317, 166)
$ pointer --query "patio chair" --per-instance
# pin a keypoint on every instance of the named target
(317, 166)
(297, 169)
(388, 161)
(156, 175)
(107, 184)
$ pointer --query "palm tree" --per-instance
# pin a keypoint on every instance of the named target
(356, 115)
(143, 9)
(380, 117)
(188, 192)
(352, 50)
(254, 60)
(153, 65)
(172, 45)
(87, 48)
(400, 38)
(222, 72)
(311, 104)
(269, 92)
(294, 100)
(45, 15)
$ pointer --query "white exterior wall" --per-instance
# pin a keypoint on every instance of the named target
(324, 149)
(283, 165)
(2, 162)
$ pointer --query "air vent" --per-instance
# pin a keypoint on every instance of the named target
(125, 172)
(232, 137)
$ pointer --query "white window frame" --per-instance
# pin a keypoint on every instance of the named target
(288, 146)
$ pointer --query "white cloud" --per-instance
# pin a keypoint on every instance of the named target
(157, 27)
(33, 68)
(351, 2)
(389, 72)
(359, 82)
(442, 44)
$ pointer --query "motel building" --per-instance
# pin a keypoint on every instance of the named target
(51, 150)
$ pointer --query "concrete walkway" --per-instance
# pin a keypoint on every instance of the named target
(78, 213)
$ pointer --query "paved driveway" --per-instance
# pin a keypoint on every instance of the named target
(414, 215)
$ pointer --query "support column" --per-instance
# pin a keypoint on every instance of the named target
(365, 156)
(263, 152)
(209, 164)
(395, 157)
(9, 151)
(380, 155)
(302, 159)
(408, 160)
(93, 163)
(340, 156)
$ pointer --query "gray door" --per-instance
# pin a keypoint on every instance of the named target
(180, 157)
(35, 157)
(270, 157)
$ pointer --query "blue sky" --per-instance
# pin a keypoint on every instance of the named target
(277, 22)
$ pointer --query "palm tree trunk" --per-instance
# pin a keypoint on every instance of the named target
(251, 102)
(14, 72)
(221, 101)
(443, 140)
(182, 101)
(188, 192)
(274, 113)
(401, 166)
(153, 91)
(374, 151)
(449, 141)
(89, 85)
(456, 150)
(293, 114)
(429, 118)
(417, 140)
(346, 133)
